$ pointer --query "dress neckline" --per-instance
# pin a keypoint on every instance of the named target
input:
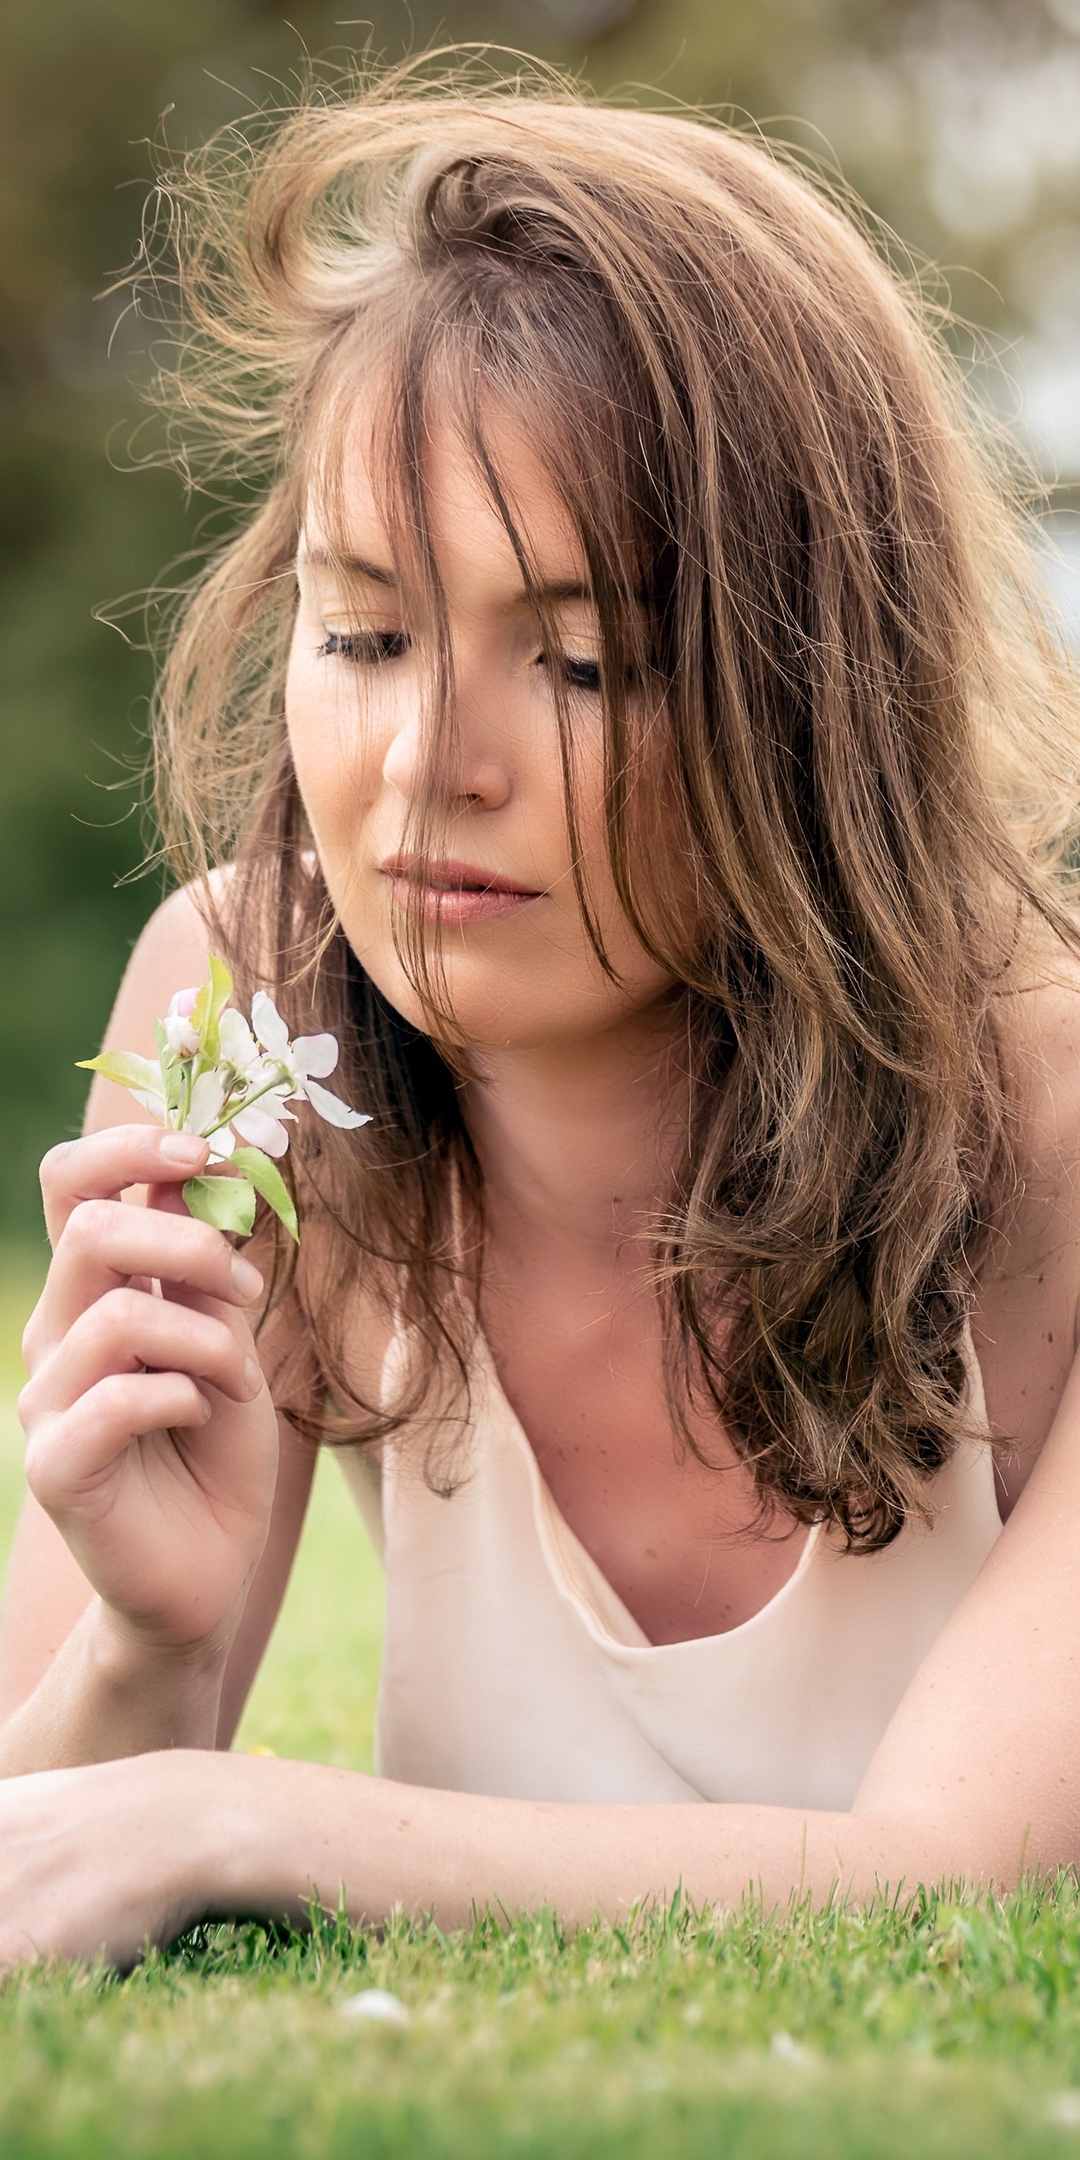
(580, 1578)
(582, 1582)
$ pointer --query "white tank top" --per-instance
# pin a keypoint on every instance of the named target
(512, 1668)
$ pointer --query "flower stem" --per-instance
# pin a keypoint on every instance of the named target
(245, 1102)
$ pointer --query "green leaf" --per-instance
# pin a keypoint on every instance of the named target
(126, 1070)
(175, 1087)
(209, 1006)
(226, 1202)
(267, 1180)
(172, 1075)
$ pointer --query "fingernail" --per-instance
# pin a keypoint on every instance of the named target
(183, 1148)
(252, 1376)
(246, 1279)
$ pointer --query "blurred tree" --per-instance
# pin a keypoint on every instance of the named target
(959, 120)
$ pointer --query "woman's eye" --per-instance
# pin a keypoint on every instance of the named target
(580, 674)
(367, 647)
(583, 674)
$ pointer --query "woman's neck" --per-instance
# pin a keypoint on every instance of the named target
(576, 1141)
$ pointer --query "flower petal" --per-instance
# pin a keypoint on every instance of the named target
(238, 1045)
(270, 1027)
(182, 1005)
(207, 1102)
(261, 1131)
(180, 1035)
(333, 1109)
(154, 1103)
(316, 1054)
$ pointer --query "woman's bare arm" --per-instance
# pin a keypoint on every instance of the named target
(976, 1780)
(64, 1701)
(71, 1690)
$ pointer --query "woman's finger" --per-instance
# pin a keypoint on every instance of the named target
(130, 1329)
(106, 1242)
(72, 1450)
(102, 1165)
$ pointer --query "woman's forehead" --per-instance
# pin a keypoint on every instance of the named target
(347, 507)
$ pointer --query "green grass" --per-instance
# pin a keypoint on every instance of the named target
(941, 2028)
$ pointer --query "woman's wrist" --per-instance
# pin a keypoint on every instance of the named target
(271, 1832)
(205, 1831)
(107, 1695)
(175, 1691)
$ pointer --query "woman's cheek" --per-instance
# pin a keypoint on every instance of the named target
(335, 751)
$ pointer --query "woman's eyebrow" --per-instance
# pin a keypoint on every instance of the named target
(563, 589)
(558, 589)
(321, 559)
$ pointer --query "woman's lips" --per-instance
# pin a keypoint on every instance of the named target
(454, 894)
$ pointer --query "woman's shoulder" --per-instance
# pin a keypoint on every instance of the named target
(169, 954)
(1042, 1026)
(1031, 1282)
(1025, 1321)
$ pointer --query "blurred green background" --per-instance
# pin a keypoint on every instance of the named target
(958, 120)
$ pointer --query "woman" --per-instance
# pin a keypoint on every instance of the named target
(627, 722)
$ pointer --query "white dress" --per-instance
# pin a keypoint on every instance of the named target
(512, 1668)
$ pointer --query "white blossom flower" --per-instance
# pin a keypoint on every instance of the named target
(181, 1037)
(263, 1126)
(205, 1110)
(304, 1063)
(215, 1077)
(239, 1050)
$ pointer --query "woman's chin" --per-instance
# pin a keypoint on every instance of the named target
(527, 1013)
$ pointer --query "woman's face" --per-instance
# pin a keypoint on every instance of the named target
(496, 888)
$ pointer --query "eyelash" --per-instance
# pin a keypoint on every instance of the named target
(580, 674)
(373, 647)
(366, 650)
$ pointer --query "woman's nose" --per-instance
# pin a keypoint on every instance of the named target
(462, 771)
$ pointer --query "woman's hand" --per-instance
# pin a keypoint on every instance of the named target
(153, 1442)
(101, 1860)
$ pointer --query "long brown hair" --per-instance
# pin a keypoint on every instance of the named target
(822, 637)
